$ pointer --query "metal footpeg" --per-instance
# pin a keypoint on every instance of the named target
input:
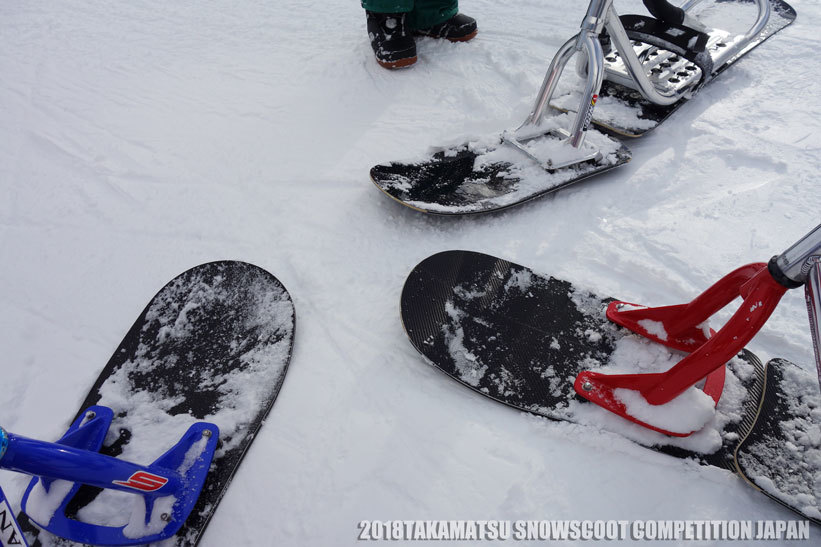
(584, 153)
(673, 58)
(668, 71)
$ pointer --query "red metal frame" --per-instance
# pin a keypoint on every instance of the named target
(684, 329)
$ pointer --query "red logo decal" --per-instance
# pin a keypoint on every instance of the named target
(147, 482)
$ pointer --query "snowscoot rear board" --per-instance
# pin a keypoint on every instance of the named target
(521, 339)
(214, 344)
(479, 177)
(625, 112)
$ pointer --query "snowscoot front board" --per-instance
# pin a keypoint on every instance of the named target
(479, 178)
(625, 112)
(213, 345)
(521, 339)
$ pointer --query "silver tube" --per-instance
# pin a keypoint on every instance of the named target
(690, 4)
(595, 74)
(596, 13)
(593, 21)
(551, 79)
(761, 20)
(795, 262)
(632, 63)
(812, 292)
(755, 30)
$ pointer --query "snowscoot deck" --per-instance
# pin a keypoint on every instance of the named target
(653, 65)
(214, 344)
(524, 339)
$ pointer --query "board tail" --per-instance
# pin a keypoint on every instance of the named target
(779, 454)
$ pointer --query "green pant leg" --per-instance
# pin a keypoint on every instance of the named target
(388, 6)
(427, 13)
(423, 13)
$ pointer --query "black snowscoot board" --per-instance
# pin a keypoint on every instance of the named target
(468, 179)
(775, 456)
(615, 99)
(521, 339)
(213, 345)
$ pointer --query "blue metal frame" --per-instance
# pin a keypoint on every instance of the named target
(174, 479)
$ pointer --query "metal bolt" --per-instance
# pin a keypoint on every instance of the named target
(166, 517)
(90, 415)
(206, 432)
(587, 386)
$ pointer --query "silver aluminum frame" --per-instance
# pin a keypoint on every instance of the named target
(601, 14)
(801, 263)
(795, 262)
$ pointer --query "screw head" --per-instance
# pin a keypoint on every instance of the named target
(90, 415)
(587, 386)
(206, 432)
(166, 517)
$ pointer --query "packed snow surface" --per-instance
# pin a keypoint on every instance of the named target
(142, 138)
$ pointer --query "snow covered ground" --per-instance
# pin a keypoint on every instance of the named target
(140, 138)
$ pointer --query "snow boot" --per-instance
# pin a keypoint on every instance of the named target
(459, 28)
(392, 43)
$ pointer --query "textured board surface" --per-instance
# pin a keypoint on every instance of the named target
(616, 99)
(213, 345)
(782, 454)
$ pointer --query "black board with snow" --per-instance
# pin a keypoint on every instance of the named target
(213, 345)
(479, 177)
(781, 456)
(521, 339)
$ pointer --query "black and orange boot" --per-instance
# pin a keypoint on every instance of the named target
(392, 43)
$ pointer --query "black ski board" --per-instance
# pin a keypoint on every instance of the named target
(213, 345)
(466, 179)
(777, 456)
(521, 339)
